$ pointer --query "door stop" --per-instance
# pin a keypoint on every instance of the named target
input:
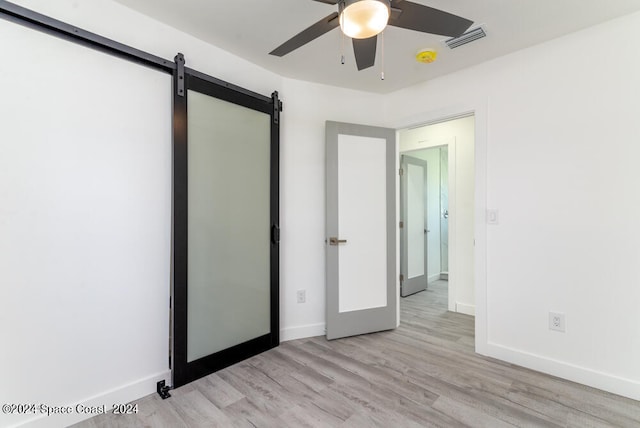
(163, 390)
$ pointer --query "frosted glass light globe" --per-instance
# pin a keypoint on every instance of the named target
(365, 18)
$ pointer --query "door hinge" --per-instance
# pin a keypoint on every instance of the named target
(401, 278)
(179, 59)
(401, 224)
(401, 172)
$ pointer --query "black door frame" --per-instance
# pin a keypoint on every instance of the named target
(186, 79)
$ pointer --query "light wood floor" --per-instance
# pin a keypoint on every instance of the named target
(422, 374)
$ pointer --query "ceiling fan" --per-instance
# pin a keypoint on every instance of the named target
(363, 20)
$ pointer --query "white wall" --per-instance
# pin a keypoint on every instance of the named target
(459, 135)
(85, 221)
(568, 218)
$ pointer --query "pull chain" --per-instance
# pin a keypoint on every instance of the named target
(382, 55)
(342, 48)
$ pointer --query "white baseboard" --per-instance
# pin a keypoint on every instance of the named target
(433, 278)
(121, 395)
(302, 332)
(464, 308)
(604, 381)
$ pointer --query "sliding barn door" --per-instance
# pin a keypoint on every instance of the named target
(226, 228)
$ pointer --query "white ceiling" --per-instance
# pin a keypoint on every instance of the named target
(253, 28)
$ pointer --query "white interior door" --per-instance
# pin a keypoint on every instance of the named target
(413, 236)
(361, 229)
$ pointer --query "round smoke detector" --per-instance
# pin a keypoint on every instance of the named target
(426, 56)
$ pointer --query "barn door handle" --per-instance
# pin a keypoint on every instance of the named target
(336, 241)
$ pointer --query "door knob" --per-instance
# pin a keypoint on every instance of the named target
(336, 241)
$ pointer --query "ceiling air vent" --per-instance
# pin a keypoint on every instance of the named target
(468, 37)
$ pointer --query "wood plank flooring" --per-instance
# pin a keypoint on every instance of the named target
(422, 374)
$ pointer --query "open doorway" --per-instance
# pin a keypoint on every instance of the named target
(444, 153)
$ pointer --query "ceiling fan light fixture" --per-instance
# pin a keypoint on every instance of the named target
(361, 19)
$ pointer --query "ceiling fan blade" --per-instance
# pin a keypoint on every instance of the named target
(365, 52)
(427, 19)
(316, 30)
(327, 1)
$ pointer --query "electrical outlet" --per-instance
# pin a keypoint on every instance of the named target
(301, 296)
(556, 321)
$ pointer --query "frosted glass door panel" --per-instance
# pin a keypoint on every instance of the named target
(415, 220)
(228, 225)
(362, 222)
(413, 239)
